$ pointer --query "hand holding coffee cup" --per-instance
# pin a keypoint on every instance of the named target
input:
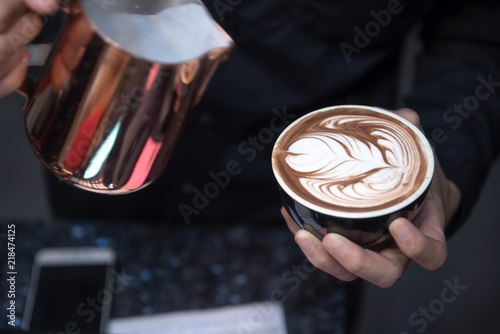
(352, 170)
(422, 241)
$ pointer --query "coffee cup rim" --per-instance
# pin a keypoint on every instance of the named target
(374, 213)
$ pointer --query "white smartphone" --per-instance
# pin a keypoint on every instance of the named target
(69, 290)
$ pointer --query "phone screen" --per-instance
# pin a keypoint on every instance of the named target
(70, 298)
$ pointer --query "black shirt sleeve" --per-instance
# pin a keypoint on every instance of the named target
(457, 93)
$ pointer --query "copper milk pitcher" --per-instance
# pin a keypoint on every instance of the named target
(107, 110)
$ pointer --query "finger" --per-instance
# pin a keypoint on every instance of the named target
(74, 47)
(80, 31)
(9, 64)
(292, 225)
(15, 77)
(382, 269)
(313, 249)
(410, 115)
(426, 246)
(449, 194)
(316, 254)
(71, 56)
(10, 11)
(13, 49)
(20, 34)
(59, 73)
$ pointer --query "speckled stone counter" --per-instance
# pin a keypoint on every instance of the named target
(179, 267)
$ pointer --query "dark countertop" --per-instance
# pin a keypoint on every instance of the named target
(184, 267)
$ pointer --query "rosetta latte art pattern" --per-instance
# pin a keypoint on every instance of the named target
(353, 161)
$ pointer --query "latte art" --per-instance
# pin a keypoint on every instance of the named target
(351, 161)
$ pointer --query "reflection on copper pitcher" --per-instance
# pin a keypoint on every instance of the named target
(108, 108)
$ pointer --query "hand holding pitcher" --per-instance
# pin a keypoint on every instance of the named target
(105, 114)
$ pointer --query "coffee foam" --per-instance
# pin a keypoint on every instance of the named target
(353, 160)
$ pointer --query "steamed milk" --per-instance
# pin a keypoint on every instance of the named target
(351, 160)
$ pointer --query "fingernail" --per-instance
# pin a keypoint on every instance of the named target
(336, 246)
(307, 245)
(401, 231)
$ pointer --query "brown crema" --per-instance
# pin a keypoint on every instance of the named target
(351, 160)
